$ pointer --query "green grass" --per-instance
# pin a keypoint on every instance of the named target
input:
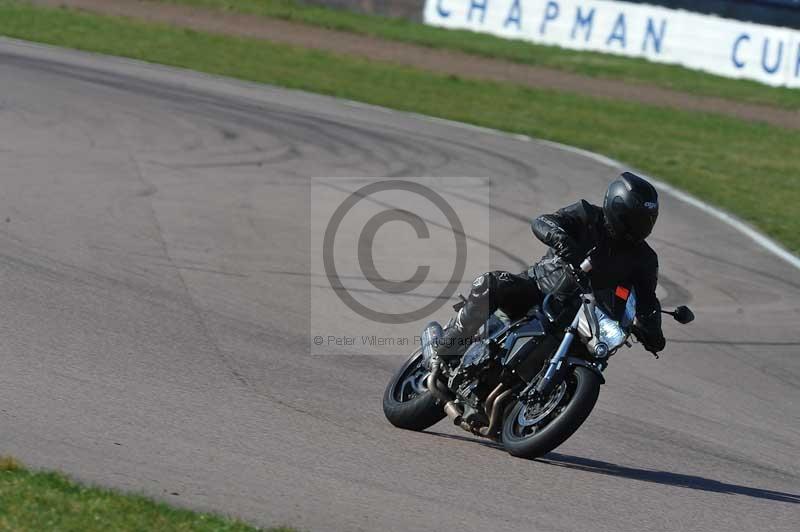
(749, 169)
(586, 63)
(32, 501)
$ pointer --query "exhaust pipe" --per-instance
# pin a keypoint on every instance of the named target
(494, 418)
(490, 399)
(453, 412)
(443, 395)
(494, 402)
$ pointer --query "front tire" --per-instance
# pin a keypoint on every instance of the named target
(407, 402)
(526, 436)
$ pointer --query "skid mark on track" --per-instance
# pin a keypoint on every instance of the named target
(227, 361)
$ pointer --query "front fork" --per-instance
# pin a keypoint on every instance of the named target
(558, 364)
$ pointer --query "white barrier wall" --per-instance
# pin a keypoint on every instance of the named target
(722, 46)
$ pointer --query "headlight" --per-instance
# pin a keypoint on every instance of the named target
(610, 333)
(601, 350)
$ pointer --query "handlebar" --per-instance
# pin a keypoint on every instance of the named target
(589, 301)
(580, 273)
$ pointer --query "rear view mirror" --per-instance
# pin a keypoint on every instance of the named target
(683, 315)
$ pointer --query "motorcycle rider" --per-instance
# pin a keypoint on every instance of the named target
(621, 257)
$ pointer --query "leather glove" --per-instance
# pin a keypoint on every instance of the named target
(567, 249)
(653, 342)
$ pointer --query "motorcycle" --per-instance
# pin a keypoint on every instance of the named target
(528, 383)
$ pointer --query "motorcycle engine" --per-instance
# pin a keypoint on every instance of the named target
(471, 395)
(469, 381)
(476, 359)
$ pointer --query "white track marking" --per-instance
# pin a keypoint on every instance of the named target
(754, 235)
(759, 238)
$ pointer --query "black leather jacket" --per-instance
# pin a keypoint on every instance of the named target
(574, 231)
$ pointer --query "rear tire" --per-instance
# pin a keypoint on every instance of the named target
(405, 404)
(580, 396)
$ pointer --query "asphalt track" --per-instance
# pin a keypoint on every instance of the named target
(155, 288)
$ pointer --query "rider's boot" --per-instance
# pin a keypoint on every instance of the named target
(470, 317)
(456, 338)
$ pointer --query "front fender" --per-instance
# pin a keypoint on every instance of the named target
(574, 361)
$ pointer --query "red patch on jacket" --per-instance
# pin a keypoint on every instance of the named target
(622, 293)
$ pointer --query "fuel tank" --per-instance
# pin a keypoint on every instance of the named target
(528, 347)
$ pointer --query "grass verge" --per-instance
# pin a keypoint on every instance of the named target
(749, 169)
(587, 63)
(34, 501)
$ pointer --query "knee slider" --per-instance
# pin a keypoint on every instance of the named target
(481, 285)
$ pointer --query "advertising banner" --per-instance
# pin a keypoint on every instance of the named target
(725, 47)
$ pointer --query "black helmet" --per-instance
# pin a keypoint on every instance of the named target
(630, 208)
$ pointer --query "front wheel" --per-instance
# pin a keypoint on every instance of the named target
(407, 402)
(534, 428)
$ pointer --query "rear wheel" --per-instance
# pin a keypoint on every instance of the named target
(534, 428)
(407, 402)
